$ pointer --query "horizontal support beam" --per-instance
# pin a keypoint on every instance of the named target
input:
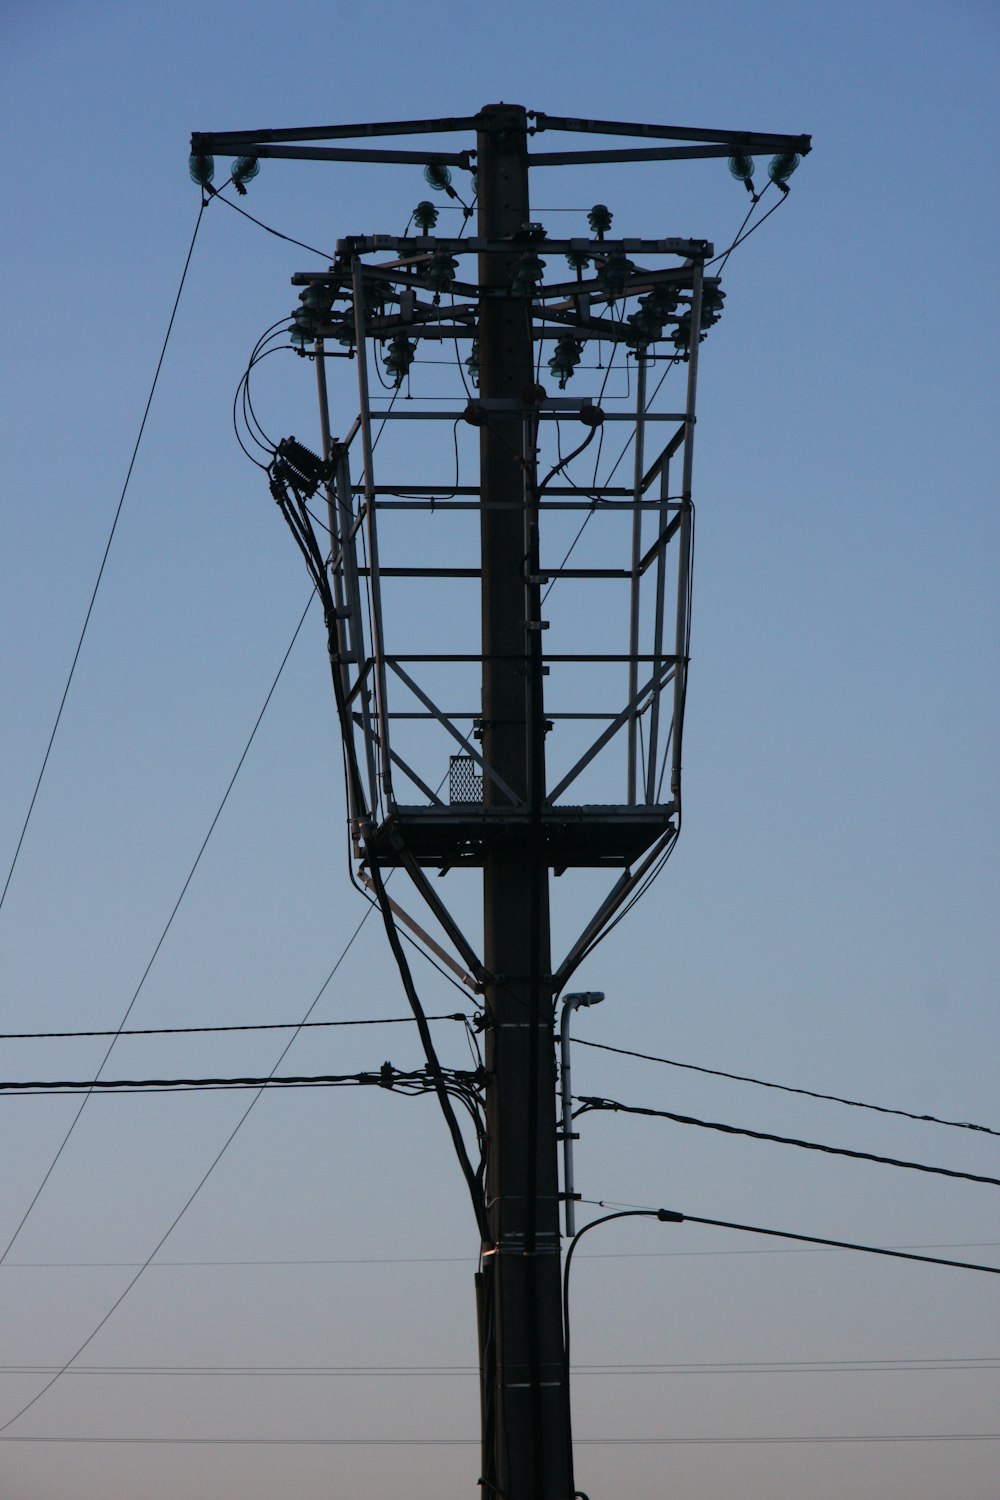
(627, 154)
(610, 508)
(238, 140)
(473, 717)
(380, 414)
(735, 140)
(392, 659)
(545, 575)
(356, 153)
(367, 244)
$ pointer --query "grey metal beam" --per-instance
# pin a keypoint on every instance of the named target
(238, 140)
(742, 140)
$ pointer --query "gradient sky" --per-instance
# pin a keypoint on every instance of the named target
(829, 920)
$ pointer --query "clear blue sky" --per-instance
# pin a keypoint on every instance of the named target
(829, 919)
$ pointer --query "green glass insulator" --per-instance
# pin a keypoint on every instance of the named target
(472, 363)
(425, 216)
(712, 298)
(303, 328)
(782, 166)
(441, 271)
(437, 176)
(304, 325)
(317, 296)
(647, 324)
(565, 358)
(682, 333)
(243, 170)
(741, 166)
(530, 269)
(599, 219)
(666, 299)
(614, 274)
(399, 358)
(201, 168)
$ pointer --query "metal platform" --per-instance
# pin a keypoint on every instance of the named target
(589, 836)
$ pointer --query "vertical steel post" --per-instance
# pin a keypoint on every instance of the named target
(684, 546)
(636, 577)
(527, 1445)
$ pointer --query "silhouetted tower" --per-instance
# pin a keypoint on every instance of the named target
(566, 682)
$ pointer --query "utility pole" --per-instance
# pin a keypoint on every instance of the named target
(614, 705)
(528, 1449)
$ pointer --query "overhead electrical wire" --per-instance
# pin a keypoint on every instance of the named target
(672, 1216)
(451, 1442)
(786, 1088)
(465, 1260)
(613, 1105)
(162, 938)
(289, 239)
(45, 1036)
(389, 1078)
(293, 509)
(143, 1266)
(104, 559)
(390, 1371)
(591, 1442)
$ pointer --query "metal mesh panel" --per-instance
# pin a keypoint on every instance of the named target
(465, 783)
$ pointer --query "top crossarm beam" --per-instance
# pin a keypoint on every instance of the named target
(627, 154)
(336, 153)
(281, 143)
(742, 140)
(238, 140)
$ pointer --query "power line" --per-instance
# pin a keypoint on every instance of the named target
(389, 1078)
(169, 923)
(781, 1140)
(104, 559)
(785, 1088)
(191, 1197)
(723, 1367)
(324, 254)
(451, 1442)
(671, 1216)
(45, 1036)
(464, 1260)
(811, 1239)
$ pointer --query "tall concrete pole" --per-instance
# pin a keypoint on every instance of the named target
(527, 1443)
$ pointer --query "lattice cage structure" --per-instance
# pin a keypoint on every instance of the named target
(465, 782)
(608, 473)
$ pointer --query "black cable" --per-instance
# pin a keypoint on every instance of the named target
(314, 561)
(276, 232)
(163, 934)
(632, 1370)
(451, 1442)
(881, 1109)
(163, 1085)
(781, 1140)
(104, 559)
(48, 1036)
(188, 1201)
(812, 1239)
(242, 398)
(465, 1260)
(671, 1216)
(741, 236)
(725, 254)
